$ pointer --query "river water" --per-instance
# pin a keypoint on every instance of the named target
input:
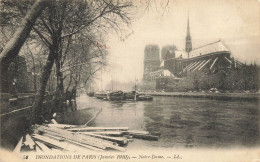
(180, 122)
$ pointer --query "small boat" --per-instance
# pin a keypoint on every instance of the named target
(101, 95)
(116, 96)
(144, 97)
(91, 94)
(130, 95)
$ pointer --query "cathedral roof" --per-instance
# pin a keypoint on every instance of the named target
(209, 48)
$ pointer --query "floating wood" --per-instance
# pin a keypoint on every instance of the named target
(17, 148)
(98, 129)
(119, 140)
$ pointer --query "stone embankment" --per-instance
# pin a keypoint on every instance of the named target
(208, 95)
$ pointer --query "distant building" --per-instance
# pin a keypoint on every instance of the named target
(210, 57)
(151, 59)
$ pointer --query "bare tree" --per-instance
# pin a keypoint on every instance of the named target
(14, 45)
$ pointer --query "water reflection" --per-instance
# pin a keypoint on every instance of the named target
(183, 122)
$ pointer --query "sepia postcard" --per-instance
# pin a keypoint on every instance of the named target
(130, 80)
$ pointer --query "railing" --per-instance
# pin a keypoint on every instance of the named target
(23, 102)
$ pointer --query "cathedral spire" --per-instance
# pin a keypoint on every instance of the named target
(188, 46)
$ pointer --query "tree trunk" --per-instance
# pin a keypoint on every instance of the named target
(59, 96)
(37, 114)
(14, 45)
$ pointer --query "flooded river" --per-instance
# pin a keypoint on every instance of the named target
(180, 122)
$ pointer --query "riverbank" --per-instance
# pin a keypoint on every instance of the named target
(216, 96)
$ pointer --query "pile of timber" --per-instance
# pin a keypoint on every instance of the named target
(74, 138)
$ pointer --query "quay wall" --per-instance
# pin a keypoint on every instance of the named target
(217, 96)
(15, 116)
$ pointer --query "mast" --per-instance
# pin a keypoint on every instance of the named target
(112, 83)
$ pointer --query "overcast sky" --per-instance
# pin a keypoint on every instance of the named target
(235, 22)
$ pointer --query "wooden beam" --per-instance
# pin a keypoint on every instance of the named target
(120, 140)
(73, 142)
(98, 129)
(43, 147)
(66, 146)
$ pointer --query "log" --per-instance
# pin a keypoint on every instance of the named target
(98, 129)
(17, 148)
(119, 140)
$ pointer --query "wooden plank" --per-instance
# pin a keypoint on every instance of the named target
(144, 136)
(108, 133)
(17, 148)
(75, 137)
(64, 126)
(73, 142)
(81, 138)
(113, 146)
(58, 145)
(43, 147)
(135, 132)
(120, 140)
(98, 129)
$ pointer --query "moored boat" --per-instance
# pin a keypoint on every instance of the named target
(130, 95)
(144, 97)
(91, 94)
(116, 96)
(101, 95)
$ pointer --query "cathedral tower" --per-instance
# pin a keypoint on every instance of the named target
(188, 46)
